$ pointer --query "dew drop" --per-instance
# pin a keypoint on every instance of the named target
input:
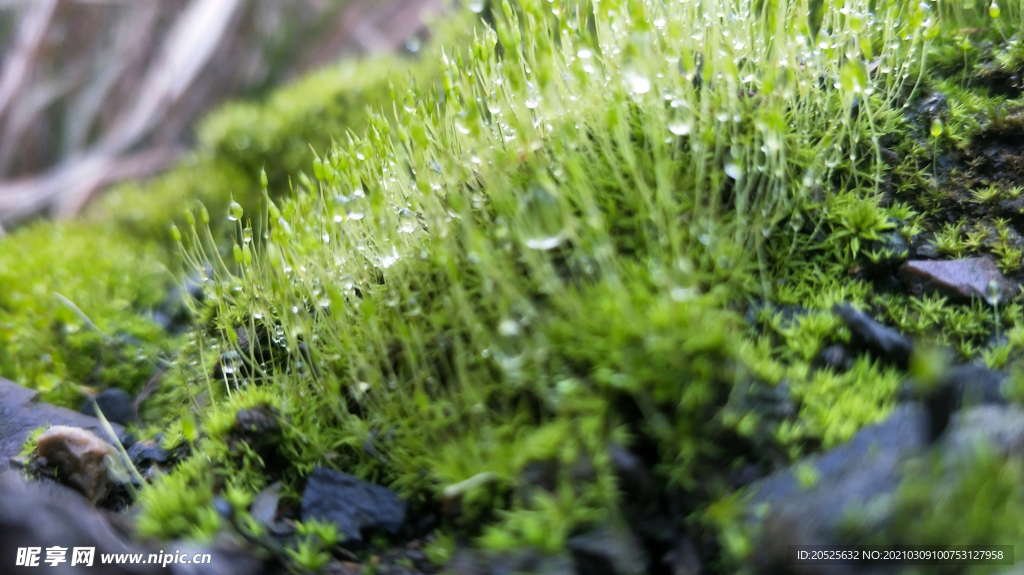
(542, 226)
(638, 84)
(992, 293)
(389, 260)
(508, 328)
(234, 211)
(679, 127)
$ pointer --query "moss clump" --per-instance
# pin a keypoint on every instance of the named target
(180, 504)
(476, 294)
(74, 301)
(540, 260)
(119, 265)
(273, 136)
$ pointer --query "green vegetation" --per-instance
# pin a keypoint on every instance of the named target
(985, 492)
(74, 300)
(545, 245)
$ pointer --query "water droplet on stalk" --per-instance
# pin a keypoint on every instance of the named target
(733, 170)
(235, 211)
(638, 84)
(992, 293)
(541, 223)
(679, 127)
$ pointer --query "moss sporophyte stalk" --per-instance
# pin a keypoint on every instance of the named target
(579, 200)
(542, 248)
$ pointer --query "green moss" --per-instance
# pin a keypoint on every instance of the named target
(74, 300)
(549, 251)
(980, 502)
(537, 261)
(180, 504)
(274, 135)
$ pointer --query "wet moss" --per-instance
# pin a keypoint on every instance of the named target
(539, 261)
(474, 294)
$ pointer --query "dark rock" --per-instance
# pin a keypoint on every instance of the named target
(744, 475)
(81, 459)
(959, 386)
(976, 384)
(848, 478)
(173, 314)
(538, 475)
(259, 428)
(1001, 427)
(115, 404)
(225, 560)
(883, 343)
(44, 515)
(146, 453)
(960, 280)
(642, 504)
(264, 507)
(835, 357)
(771, 402)
(152, 460)
(789, 313)
(852, 499)
(924, 249)
(932, 104)
(476, 562)
(892, 248)
(352, 504)
(607, 552)
(20, 414)
(682, 558)
(890, 157)
(128, 440)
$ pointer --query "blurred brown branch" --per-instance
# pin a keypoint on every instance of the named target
(93, 92)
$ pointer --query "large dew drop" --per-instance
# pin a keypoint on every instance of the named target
(679, 127)
(541, 223)
(733, 170)
(637, 83)
(235, 211)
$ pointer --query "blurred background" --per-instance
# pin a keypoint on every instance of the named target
(94, 92)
